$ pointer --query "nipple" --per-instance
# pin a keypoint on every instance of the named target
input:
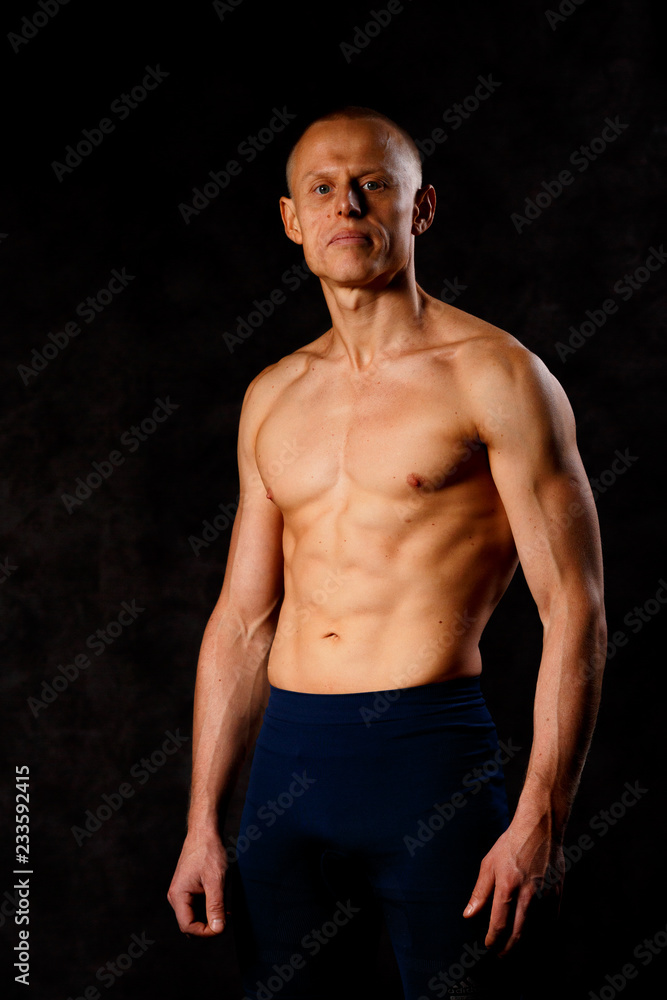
(414, 480)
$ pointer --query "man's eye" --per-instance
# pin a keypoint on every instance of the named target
(322, 189)
(376, 188)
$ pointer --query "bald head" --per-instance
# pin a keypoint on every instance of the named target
(402, 139)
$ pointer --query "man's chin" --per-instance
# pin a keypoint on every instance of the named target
(351, 276)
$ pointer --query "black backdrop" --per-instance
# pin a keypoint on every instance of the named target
(150, 353)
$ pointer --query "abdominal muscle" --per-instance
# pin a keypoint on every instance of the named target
(367, 609)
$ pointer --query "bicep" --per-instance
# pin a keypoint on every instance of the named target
(537, 469)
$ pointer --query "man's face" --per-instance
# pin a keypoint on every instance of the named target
(353, 204)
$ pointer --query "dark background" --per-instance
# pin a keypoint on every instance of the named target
(67, 573)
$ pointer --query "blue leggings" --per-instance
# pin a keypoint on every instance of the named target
(363, 807)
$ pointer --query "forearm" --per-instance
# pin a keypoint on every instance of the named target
(230, 696)
(567, 698)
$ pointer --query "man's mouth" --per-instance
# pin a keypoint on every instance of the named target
(348, 237)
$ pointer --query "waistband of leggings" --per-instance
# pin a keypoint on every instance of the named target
(353, 707)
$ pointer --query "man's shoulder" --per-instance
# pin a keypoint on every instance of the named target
(486, 355)
(273, 380)
(476, 340)
(501, 380)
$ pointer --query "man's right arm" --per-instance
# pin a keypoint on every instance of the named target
(231, 688)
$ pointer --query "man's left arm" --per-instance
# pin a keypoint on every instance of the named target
(526, 422)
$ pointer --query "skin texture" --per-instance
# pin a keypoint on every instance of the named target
(393, 472)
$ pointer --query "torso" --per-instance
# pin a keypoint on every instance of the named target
(396, 543)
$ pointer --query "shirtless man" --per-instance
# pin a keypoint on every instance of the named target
(392, 474)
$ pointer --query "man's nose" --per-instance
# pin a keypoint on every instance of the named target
(349, 201)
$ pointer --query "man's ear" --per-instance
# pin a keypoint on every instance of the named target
(290, 221)
(424, 209)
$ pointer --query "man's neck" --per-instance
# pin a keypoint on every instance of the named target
(366, 323)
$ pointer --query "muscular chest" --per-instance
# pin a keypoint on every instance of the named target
(383, 437)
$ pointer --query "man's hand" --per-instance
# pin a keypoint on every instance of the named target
(201, 870)
(523, 872)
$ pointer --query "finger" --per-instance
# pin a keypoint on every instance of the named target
(215, 906)
(482, 891)
(502, 917)
(555, 902)
(185, 916)
(535, 919)
(517, 922)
